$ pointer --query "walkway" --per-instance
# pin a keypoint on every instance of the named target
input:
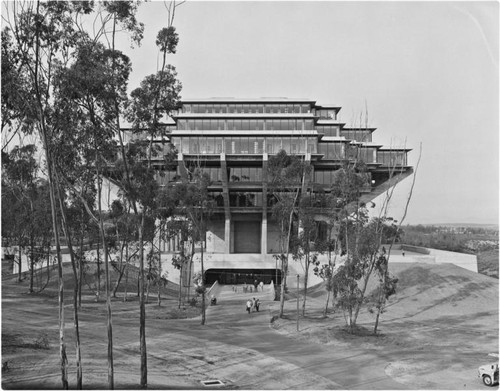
(322, 367)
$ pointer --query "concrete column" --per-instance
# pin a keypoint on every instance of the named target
(227, 236)
(263, 240)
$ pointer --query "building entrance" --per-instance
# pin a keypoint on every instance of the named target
(242, 276)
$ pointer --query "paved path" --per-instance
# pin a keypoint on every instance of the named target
(229, 324)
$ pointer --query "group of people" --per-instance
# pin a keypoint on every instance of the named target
(249, 288)
(253, 305)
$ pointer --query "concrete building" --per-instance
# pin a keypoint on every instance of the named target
(232, 139)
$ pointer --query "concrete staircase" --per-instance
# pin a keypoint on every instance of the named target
(235, 293)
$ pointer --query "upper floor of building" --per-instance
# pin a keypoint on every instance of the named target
(267, 125)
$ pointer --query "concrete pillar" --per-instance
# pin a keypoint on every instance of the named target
(263, 240)
(263, 243)
(227, 236)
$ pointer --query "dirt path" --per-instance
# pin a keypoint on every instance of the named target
(436, 344)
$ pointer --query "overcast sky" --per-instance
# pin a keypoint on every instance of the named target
(428, 73)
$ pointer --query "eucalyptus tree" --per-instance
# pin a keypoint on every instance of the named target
(40, 36)
(308, 244)
(19, 176)
(288, 176)
(193, 209)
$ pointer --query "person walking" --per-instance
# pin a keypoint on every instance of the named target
(257, 304)
(261, 284)
(249, 305)
(254, 306)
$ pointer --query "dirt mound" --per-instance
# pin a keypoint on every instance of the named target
(428, 291)
(435, 331)
(45, 281)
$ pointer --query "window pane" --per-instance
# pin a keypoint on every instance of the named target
(244, 145)
(269, 145)
(286, 144)
(218, 144)
(210, 145)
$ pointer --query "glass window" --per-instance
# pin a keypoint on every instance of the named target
(237, 124)
(185, 145)
(218, 144)
(268, 108)
(228, 145)
(245, 148)
(202, 108)
(269, 145)
(231, 109)
(286, 144)
(252, 142)
(277, 144)
(246, 108)
(210, 144)
(245, 124)
(223, 109)
(299, 142)
(305, 109)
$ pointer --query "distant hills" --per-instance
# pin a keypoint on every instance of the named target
(472, 225)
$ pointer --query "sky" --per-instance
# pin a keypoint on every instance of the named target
(427, 72)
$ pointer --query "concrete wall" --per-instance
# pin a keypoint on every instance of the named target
(430, 255)
(215, 237)
(273, 244)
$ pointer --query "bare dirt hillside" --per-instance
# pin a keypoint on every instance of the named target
(437, 329)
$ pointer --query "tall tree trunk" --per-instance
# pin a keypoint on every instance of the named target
(180, 286)
(325, 312)
(159, 278)
(284, 266)
(142, 309)
(32, 261)
(19, 274)
(126, 274)
(121, 270)
(109, 324)
(55, 227)
(80, 268)
(306, 275)
(67, 233)
(203, 309)
(98, 293)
